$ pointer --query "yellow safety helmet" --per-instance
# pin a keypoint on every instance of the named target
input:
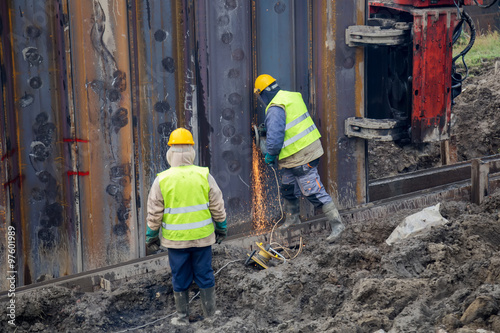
(262, 82)
(180, 136)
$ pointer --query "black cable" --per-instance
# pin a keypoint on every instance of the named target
(457, 32)
(465, 17)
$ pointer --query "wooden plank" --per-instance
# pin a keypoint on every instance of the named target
(479, 180)
(417, 181)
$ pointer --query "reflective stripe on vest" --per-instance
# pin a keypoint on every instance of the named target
(189, 226)
(300, 130)
(186, 215)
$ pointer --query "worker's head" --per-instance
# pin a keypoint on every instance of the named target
(181, 150)
(180, 136)
(263, 82)
(265, 88)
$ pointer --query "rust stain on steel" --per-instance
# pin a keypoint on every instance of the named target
(360, 108)
(253, 40)
(102, 95)
(136, 106)
(339, 94)
(75, 197)
(158, 104)
(22, 260)
(69, 244)
(5, 212)
(180, 35)
(324, 40)
(35, 125)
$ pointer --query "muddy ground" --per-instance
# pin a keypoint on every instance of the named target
(447, 280)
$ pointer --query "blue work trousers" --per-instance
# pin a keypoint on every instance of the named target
(304, 180)
(194, 263)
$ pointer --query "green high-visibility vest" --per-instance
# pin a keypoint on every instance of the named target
(300, 130)
(185, 194)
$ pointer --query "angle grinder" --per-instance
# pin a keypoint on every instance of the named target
(263, 257)
(260, 137)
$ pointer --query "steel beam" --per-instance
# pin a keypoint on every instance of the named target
(405, 184)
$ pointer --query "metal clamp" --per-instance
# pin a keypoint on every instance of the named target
(361, 35)
(376, 129)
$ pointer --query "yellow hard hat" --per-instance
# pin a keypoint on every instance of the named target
(262, 82)
(180, 136)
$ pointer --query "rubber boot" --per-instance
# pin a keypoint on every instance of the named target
(208, 301)
(182, 307)
(291, 209)
(335, 221)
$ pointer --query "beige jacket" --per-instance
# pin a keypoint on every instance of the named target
(179, 155)
(303, 156)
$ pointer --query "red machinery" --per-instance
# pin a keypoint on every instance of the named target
(411, 73)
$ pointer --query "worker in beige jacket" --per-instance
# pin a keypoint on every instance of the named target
(186, 205)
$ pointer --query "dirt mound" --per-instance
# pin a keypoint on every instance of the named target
(447, 279)
(475, 129)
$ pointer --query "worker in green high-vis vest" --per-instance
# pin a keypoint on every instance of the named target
(292, 140)
(186, 214)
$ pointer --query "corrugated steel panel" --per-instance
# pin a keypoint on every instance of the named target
(98, 86)
(339, 82)
(224, 100)
(157, 108)
(7, 151)
(36, 129)
(103, 120)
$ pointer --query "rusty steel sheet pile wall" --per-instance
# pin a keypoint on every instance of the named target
(164, 87)
(103, 119)
(224, 103)
(35, 112)
(338, 78)
(91, 91)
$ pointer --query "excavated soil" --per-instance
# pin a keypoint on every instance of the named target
(446, 281)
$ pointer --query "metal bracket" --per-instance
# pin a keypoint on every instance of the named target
(362, 35)
(376, 129)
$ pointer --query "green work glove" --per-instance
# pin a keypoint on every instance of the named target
(220, 231)
(269, 159)
(152, 241)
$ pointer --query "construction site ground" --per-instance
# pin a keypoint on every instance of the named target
(447, 280)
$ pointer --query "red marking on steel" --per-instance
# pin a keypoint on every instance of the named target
(8, 154)
(12, 181)
(75, 140)
(78, 173)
